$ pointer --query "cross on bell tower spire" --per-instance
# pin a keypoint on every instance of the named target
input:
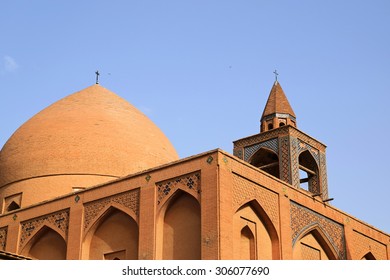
(97, 76)
(276, 75)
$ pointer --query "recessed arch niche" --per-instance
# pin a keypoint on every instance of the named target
(313, 244)
(254, 236)
(46, 244)
(113, 236)
(180, 225)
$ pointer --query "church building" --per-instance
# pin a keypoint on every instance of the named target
(91, 177)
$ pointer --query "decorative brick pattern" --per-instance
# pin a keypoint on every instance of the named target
(129, 199)
(238, 153)
(281, 131)
(363, 244)
(3, 238)
(294, 162)
(58, 220)
(245, 190)
(271, 144)
(303, 218)
(306, 139)
(323, 176)
(284, 159)
(310, 253)
(302, 146)
(313, 184)
(190, 183)
(261, 137)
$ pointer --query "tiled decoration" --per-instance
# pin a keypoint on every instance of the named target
(284, 159)
(271, 144)
(303, 219)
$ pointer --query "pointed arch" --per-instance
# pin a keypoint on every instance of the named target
(313, 243)
(369, 256)
(179, 225)
(309, 172)
(36, 233)
(104, 210)
(114, 232)
(46, 244)
(265, 236)
(266, 160)
(247, 244)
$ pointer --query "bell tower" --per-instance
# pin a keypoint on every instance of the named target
(284, 151)
(277, 111)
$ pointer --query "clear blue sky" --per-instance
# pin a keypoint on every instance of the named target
(202, 71)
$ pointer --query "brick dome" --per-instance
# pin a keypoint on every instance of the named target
(86, 138)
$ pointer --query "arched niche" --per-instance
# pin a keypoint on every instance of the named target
(113, 235)
(13, 206)
(179, 228)
(313, 244)
(46, 244)
(254, 235)
(247, 244)
(266, 160)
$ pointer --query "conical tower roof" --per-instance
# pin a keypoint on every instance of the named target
(277, 102)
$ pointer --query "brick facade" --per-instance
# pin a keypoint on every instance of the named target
(222, 187)
(209, 206)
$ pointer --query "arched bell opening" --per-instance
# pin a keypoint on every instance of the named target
(267, 161)
(308, 172)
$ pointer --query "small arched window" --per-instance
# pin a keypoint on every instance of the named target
(270, 126)
(282, 124)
